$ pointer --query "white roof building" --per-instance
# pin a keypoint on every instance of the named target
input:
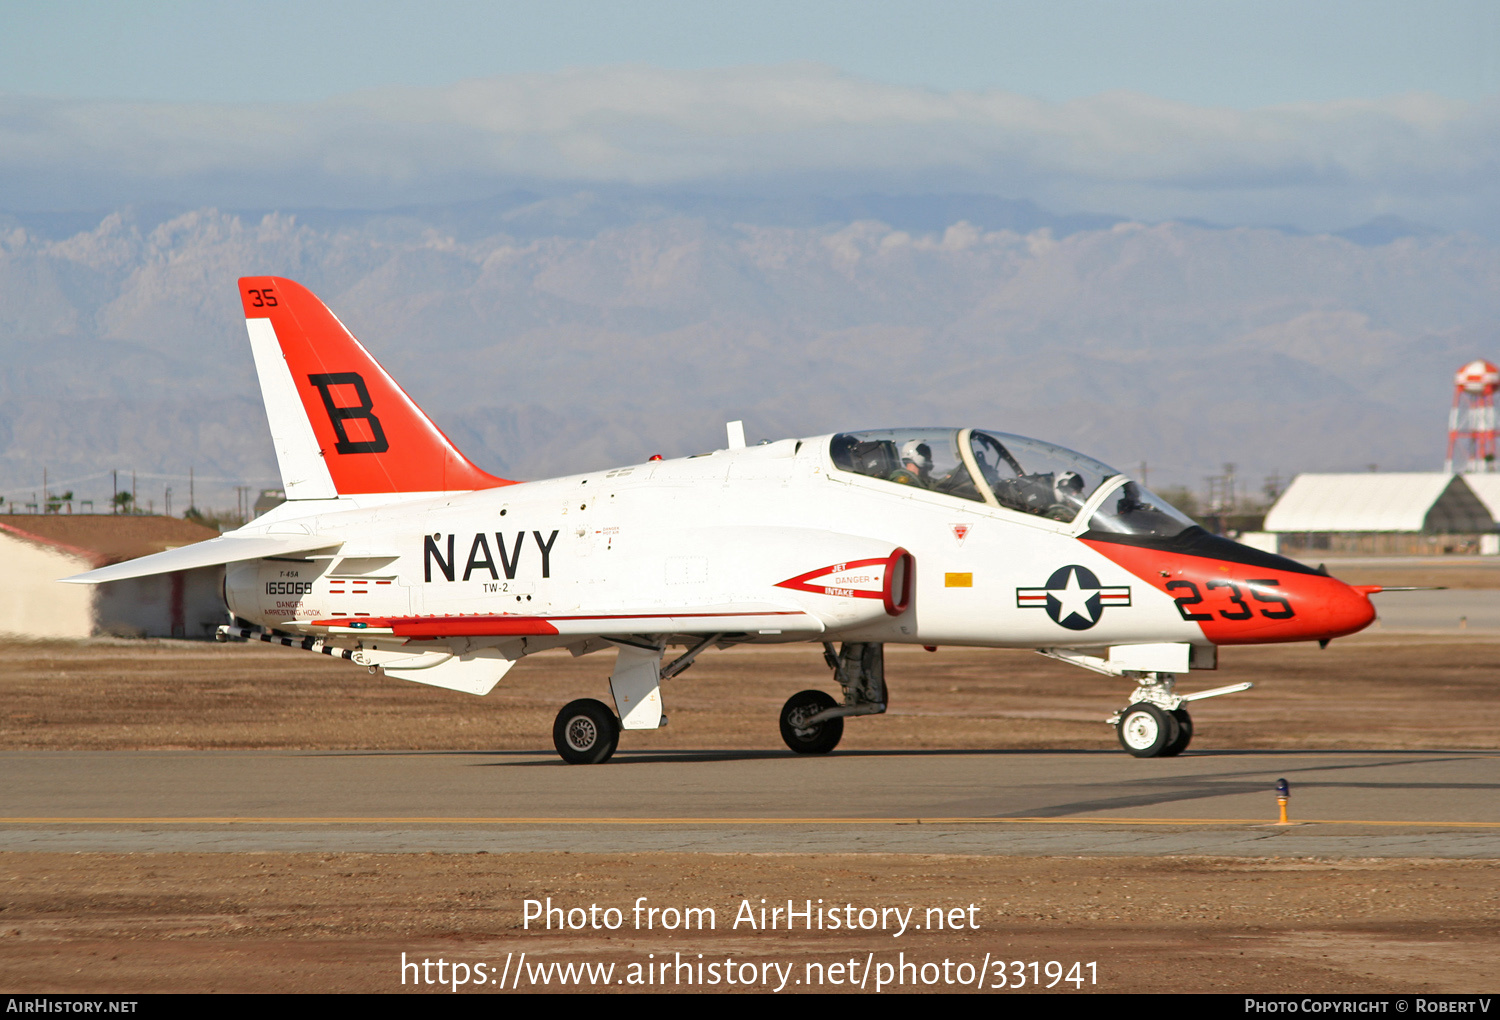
(1371, 501)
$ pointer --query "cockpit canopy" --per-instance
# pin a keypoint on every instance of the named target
(1010, 471)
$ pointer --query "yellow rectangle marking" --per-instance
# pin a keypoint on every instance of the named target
(958, 580)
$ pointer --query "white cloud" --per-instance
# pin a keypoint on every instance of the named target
(1319, 165)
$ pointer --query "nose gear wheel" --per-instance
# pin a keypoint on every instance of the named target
(1148, 731)
(1184, 733)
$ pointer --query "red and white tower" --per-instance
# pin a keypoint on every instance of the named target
(1472, 419)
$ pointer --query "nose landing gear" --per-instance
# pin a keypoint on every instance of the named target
(1155, 724)
(1148, 731)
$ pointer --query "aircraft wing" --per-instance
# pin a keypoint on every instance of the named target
(215, 552)
(727, 618)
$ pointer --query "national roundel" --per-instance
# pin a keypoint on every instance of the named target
(1073, 597)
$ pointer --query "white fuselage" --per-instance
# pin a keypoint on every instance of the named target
(727, 528)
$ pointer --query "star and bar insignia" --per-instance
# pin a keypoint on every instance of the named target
(1073, 597)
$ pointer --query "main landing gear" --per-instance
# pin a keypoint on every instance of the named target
(802, 734)
(812, 722)
(586, 732)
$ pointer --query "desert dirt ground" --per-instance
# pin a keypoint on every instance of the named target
(340, 922)
(1385, 691)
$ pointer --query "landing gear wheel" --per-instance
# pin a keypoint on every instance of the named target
(586, 732)
(818, 738)
(1184, 733)
(1146, 731)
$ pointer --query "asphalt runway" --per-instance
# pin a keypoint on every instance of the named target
(1345, 803)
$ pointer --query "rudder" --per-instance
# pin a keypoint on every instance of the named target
(340, 423)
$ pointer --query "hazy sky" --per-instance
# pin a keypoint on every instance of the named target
(1316, 115)
(1205, 52)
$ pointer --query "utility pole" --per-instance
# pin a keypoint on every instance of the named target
(1272, 488)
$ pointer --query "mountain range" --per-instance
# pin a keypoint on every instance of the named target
(555, 333)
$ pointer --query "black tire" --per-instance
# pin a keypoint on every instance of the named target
(819, 738)
(1146, 731)
(1184, 733)
(586, 732)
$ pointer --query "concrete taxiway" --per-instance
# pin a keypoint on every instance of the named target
(1346, 803)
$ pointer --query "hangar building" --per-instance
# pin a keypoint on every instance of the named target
(1487, 488)
(1387, 514)
(38, 549)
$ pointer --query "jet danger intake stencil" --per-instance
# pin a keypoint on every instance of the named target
(856, 579)
(1073, 597)
(887, 578)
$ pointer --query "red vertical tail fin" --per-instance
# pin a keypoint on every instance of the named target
(340, 423)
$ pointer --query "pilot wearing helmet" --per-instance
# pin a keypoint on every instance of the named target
(916, 465)
(1069, 488)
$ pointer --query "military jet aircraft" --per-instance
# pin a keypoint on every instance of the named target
(395, 552)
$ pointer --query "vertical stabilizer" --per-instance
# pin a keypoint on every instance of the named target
(340, 423)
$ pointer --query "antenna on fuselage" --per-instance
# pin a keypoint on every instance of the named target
(736, 430)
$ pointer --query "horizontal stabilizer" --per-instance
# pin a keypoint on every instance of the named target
(721, 619)
(215, 552)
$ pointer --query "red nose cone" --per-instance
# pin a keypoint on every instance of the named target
(1248, 599)
(1321, 608)
(1346, 610)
